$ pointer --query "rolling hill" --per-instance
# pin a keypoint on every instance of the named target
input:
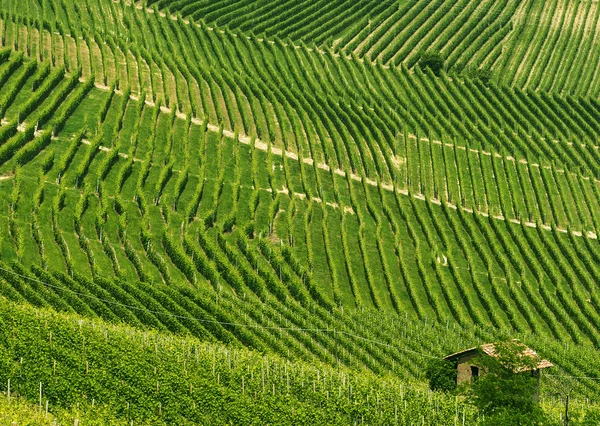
(287, 180)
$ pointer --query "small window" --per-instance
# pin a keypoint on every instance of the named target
(474, 372)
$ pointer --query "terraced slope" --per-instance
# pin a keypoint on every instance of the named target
(311, 21)
(161, 172)
(391, 32)
(554, 47)
(361, 184)
(166, 378)
(530, 44)
(144, 195)
(283, 99)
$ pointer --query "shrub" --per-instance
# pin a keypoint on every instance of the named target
(505, 393)
(441, 375)
(432, 60)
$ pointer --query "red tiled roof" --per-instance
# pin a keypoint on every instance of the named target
(490, 349)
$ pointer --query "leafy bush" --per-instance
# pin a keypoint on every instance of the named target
(441, 375)
(432, 60)
(507, 388)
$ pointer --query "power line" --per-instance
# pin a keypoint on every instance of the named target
(112, 302)
(212, 321)
(572, 377)
(255, 326)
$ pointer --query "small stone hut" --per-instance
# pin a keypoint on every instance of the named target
(467, 369)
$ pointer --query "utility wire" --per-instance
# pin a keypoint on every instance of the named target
(211, 321)
(255, 326)
(572, 377)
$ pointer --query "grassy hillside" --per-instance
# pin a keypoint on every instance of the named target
(165, 379)
(294, 183)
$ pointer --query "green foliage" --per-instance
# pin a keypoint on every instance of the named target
(507, 385)
(20, 411)
(481, 74)
(236, 218)
(441, 375)
(432, 60)
(591, 417)
(156, 378)
(509, 416)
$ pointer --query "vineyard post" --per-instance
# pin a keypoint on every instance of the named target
(8, 392)
(456, 410)
(337, 358)
(567, 410)
(40, 396)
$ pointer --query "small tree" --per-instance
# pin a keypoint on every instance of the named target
(441, 375)
(432, 60)
(504, 393)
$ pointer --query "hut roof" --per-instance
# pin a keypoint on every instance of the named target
(490, 349)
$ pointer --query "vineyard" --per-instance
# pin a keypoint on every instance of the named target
(529, 44)
(285, 185)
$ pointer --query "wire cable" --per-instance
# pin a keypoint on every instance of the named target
(212, 321)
